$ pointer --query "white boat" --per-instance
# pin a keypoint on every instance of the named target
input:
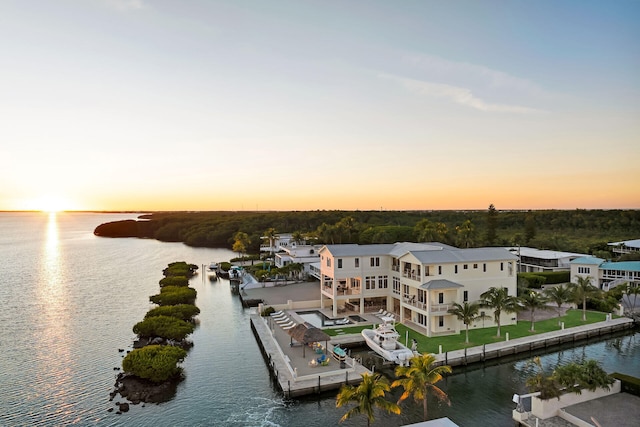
(384, 341)
(235, 274)
(213, 266)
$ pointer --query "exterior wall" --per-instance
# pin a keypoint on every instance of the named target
(549, 408)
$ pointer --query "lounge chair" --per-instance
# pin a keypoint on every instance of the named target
(277, 313)
(379, 313)
(293, 325)
(281, 318)
(283, 321)
(287, 324)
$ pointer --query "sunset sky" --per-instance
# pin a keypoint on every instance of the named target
(281, 105)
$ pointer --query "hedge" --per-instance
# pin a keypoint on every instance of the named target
(156, 363)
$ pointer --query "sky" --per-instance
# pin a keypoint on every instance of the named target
(150, 105)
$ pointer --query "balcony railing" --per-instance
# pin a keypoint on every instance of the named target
(415, 303)
(395, 268)
(440, 308)
(411, 275)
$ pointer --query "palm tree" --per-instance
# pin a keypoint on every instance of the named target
(297, 237)
(465, 234)
(368, 395)
(558, 294)
(582, 289)
(419, 378)
(630, 289)
(532, 301)
(241, 241)
(499, 300)
(467, 313)
(271, 234)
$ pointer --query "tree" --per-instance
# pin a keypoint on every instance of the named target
(297, 237)
(166, 327)
(241, 242)
(465, 234)
(184, 312)
(529, 227)
(532, 301)
(172, 295)
(559, 295)
(492, 225)
(425, 230)
(467, 313)
(420, 378)
(368, 395)
(271, 234)
(582, 289)
(570, 378)
(499, 300)
(156, 363)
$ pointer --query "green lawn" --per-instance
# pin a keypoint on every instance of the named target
(486, 335)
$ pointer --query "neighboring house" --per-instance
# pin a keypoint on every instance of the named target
(280, 241)
(302, 254)
(606, 274)
(532, 260)
(419, 282)
(625, 247)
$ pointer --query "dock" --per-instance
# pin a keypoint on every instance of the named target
(291, 364)
(532, 343)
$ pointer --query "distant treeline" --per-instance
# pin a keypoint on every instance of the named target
(584, 231)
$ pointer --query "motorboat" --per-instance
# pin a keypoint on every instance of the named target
(235, 274)
(384, 341)
(213, 266)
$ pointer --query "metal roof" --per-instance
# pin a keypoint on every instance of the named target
(590, 260)
(427, 253)
(628, 243)
(622, 265)
(440, 284)
(542, 253)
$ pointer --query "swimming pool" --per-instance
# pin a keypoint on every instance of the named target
(319, 320)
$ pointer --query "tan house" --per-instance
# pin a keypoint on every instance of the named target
(418, 282)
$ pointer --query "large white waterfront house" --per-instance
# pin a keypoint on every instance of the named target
(418, 282)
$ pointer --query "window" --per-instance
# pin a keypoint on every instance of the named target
(465, 296)
(405, 291)
(382, 282)
(328, 262)
(502, 266)
(441, 321)
(466, 266)
(484, 267)
(339, 262)
(422, 319)
(375, 261)
(455, 270)
(370, 282)
(396, 285)
(584, 270)
(440, 298)
(475, 266)
(439, 269)
(357, 262)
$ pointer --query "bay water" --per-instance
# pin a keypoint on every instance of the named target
(69, 299)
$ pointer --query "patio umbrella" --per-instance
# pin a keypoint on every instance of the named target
(307, 334)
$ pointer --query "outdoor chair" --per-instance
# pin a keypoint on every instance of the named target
(293, 325)
(277, 313)
(285, 319)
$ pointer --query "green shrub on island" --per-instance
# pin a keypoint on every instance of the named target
(164, 327)
(156, 363)
(174, 281)
(184, 312)
(174, 295)
(180, 268)
(225, 266)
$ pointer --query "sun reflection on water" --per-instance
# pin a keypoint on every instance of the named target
(55, 349)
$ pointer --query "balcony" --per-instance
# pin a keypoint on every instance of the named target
(395, 268)
(440, 308)
(414, 303)
(411, 275)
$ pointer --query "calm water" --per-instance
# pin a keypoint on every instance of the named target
(68, 301)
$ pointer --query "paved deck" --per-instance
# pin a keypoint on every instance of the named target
(291, 364)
